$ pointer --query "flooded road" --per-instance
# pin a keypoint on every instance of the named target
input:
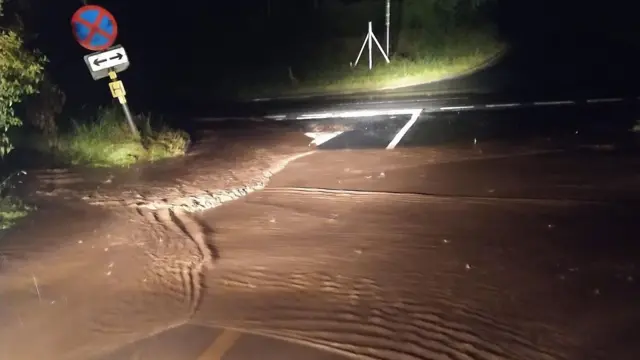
(476, 260)
(467, 241)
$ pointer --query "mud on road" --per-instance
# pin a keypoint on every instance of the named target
(478, 259)
(118, 255)
(466, 267)
(224, 164)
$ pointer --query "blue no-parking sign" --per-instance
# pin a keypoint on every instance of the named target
(94, 27)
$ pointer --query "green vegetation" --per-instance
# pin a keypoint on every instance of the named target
(430, 40)
(21, 71)
(12, 209)
(106, 141)
(462, 54)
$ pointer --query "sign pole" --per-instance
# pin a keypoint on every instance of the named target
(117, 90)
(366, 39)
(388, 23)
(370, 46)
(127, 114)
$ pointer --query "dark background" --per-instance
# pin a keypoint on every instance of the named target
(564, 46)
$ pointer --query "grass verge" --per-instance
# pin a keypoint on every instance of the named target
(420, 62)
(12, 208)
(106, 141)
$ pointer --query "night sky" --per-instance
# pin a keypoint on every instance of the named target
(173, 44)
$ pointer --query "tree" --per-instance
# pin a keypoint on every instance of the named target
(438, 15)
(21, 71)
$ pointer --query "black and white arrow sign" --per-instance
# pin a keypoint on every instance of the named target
(107, 59)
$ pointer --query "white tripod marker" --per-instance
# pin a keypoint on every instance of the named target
(369, 39)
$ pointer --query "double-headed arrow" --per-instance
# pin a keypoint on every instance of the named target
(98, 61)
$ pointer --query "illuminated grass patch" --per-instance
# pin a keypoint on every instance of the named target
(421, 63)
(12, 209)
(107, 141)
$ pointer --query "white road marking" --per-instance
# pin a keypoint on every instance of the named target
(320, 138)
(403, 131)
(356, 113)
(315, 116)
(276, 117)
(448, 108)
(502, 105)
(399, 101)
(562, 102)
(604, 100)
(365, 113)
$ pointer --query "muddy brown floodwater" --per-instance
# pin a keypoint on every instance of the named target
(453, 252)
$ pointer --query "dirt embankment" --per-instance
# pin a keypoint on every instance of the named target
(222, 166)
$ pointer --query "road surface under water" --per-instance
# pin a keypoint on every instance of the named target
(467, 241)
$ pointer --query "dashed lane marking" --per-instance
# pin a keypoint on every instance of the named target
(591, 101)
(450, 108)
(357, 114)
(492, 106)
(221, 345)
(369, 113)
(561, 102)
(276, 117)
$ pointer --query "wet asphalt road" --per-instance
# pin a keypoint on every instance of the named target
(193, 342)
(292, 109)
(596, 122)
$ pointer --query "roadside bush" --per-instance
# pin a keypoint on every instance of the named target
(20, 73)
(11, 208)
(167, 143)
(107, 141)
(43, 109)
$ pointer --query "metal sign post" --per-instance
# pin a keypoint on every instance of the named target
(96, 29)
(118, 92)
(388, 25)
(369, 39)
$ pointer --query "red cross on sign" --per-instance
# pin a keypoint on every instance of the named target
(94, 27)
